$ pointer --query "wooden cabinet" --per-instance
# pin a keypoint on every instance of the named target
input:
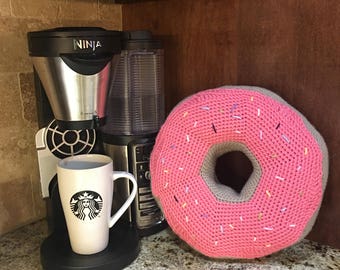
(290, 47)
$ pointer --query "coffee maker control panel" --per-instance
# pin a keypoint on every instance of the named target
(147, 210)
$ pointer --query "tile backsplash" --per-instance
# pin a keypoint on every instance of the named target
(20, 195)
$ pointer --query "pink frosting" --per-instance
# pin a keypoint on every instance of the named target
(289, 191)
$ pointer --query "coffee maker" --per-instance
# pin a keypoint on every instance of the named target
(135, 112)
(73, 69)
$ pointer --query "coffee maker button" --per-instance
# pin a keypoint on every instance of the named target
(147, 175)
(140, 176)
(151, 212)
(147, 205)
(143, 190)
(143, 166)
(146, 197)
(139, 154)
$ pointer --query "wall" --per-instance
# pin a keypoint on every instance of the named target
(291, 47)
(20, 200)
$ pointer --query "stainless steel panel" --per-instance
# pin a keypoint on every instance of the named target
(73, 96)
(119, 155)
(145, 214)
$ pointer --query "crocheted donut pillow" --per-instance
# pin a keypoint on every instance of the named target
(277, 205)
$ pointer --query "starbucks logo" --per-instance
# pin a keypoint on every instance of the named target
(86, 205)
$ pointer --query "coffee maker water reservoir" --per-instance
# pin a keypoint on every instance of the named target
(135, 113)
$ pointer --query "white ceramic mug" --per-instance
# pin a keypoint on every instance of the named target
(86, 191)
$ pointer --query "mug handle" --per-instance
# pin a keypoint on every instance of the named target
(122, 209)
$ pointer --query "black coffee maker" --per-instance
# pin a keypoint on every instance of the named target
(135, 113)
(73, 70)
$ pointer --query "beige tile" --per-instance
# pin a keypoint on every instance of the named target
(54, 9)
(78, 10)
(10, 108)
(17, 152)
(14, 55)
(65, 10)
(20, 26)
(26, 81)
(5, 8)
(16, 204)
(96, 23)
(11, 24)
(13, 52)
(47, 9)
(16, 137)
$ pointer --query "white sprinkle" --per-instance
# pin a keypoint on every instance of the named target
(206, 108)
(163, 160)
(258, 112)
(216, 243)
(195, 124)
(180, 168)
(186, 219)
(254, 239)
(186, 189)
(188, 138)
(221, 229)
(237, 131)
(279, 177)
(237, 117)
(306, 151)
(285, 138)
(231, 226)
(261, 135)
(299, 168)
(241, 218)
(196, 202)
(283, 209)
(268, 228)
(292, 225)
(166, 185)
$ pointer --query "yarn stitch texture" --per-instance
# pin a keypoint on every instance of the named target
(293, 168)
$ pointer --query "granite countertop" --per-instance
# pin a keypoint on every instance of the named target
(20, 250)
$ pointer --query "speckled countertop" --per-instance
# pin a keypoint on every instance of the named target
(20, 250)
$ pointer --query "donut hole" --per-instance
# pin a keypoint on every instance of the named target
(233, 169)
(231, 172)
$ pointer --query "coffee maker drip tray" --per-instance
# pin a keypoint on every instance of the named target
(123, 249)
(64, 143)
(53, 144)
